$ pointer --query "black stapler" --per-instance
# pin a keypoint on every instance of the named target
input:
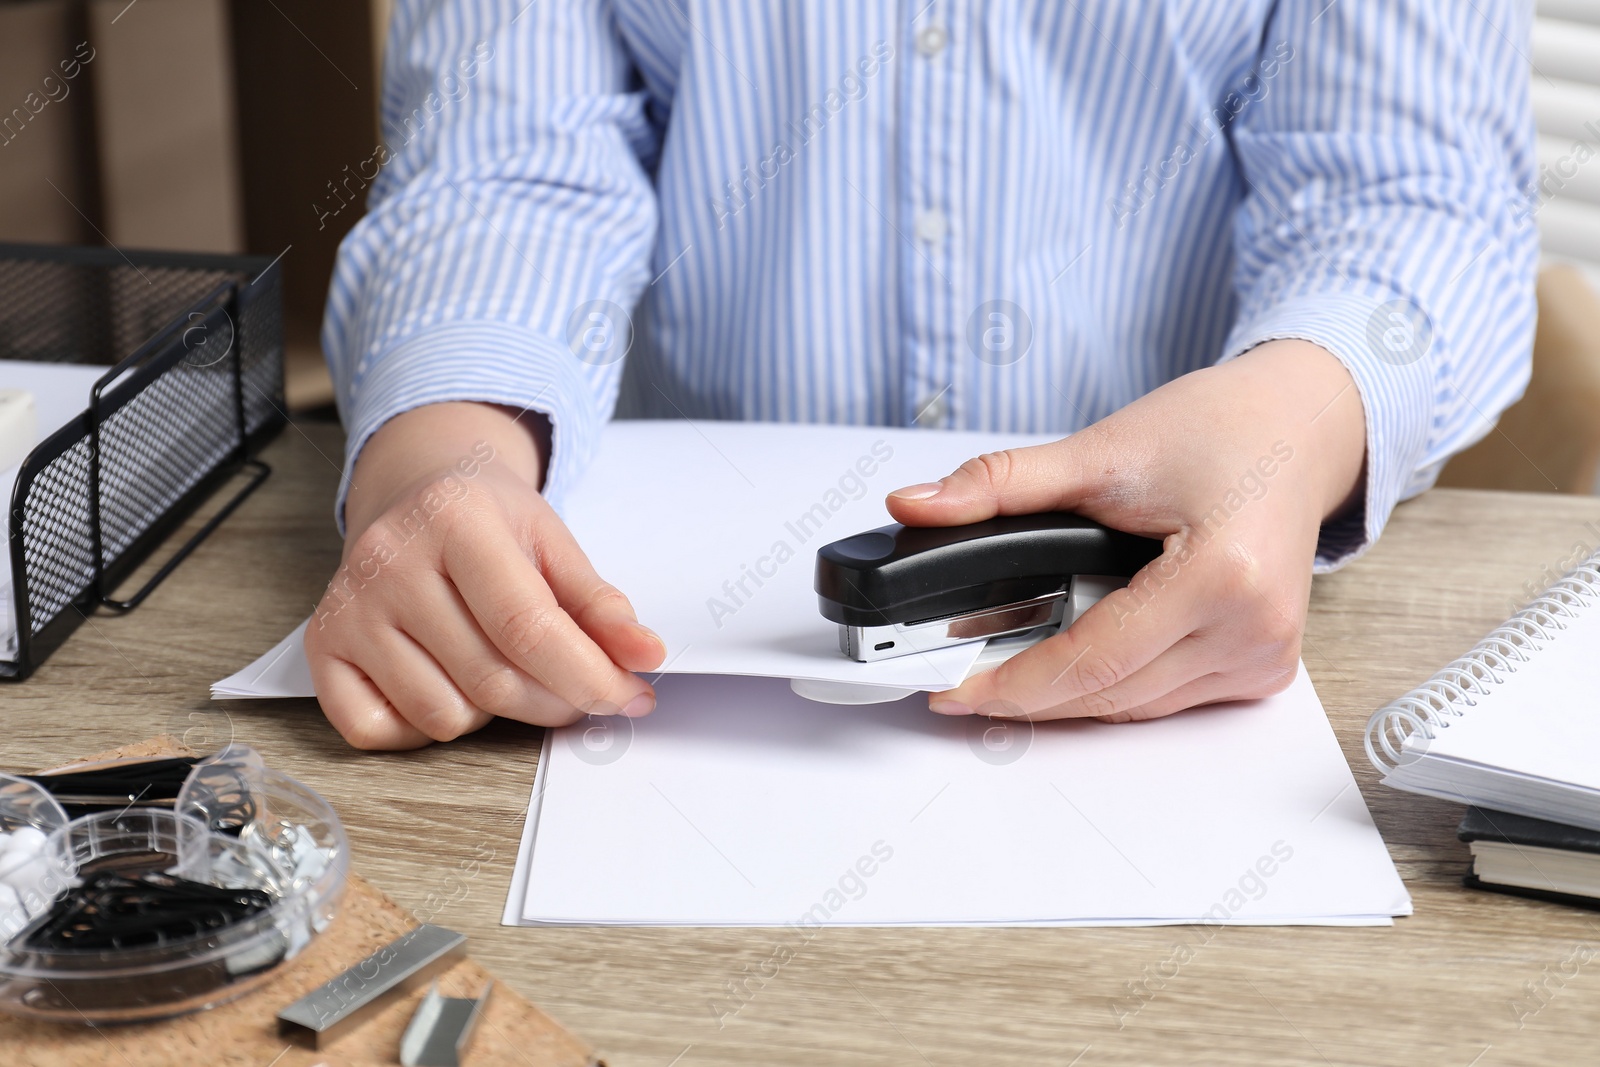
(903, 589)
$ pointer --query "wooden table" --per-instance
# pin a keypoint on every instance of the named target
(1449, 985)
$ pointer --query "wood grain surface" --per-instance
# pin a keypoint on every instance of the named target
(1470, 979)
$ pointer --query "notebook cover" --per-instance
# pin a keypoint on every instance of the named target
(1482, 824)
(1472, 881)
(244, 1031)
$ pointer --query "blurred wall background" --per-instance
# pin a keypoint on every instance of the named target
(196, 125)
(225, 125)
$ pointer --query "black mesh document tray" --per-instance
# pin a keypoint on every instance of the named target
(192, 347)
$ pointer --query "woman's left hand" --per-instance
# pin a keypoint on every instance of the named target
(1235, 467)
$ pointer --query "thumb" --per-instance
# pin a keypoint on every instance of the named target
(1016, 481)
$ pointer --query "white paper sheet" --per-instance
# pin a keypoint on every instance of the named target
(738, 803)
(60, 394)
(282, 672)
(712, 528)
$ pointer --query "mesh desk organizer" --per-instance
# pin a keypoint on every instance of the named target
(193, 388)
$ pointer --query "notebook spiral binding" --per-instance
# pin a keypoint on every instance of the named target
(1431, 706)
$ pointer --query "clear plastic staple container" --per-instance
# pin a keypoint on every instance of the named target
(237, 824)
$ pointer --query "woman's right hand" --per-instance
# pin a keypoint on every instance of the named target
(461, 594)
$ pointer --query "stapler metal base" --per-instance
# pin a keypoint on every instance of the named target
(1085, 591)
(868, 644)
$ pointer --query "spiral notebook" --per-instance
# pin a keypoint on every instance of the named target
(1513, 725)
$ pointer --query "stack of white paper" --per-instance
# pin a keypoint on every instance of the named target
(712, 530)
(738, 803)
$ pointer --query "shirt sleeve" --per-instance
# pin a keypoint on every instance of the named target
(509, 224)
(1387, 147)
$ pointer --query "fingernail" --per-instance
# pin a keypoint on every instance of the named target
(643, 704)
(651, 634)
(918, 492)
(948, 707)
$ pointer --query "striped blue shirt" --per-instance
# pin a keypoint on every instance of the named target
(1007, 215)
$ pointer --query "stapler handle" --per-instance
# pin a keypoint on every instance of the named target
(903, 574)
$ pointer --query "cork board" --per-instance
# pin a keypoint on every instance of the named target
(244, 1031)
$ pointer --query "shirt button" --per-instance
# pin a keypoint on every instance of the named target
(931, 411)
(931, 39)
(931, 226)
